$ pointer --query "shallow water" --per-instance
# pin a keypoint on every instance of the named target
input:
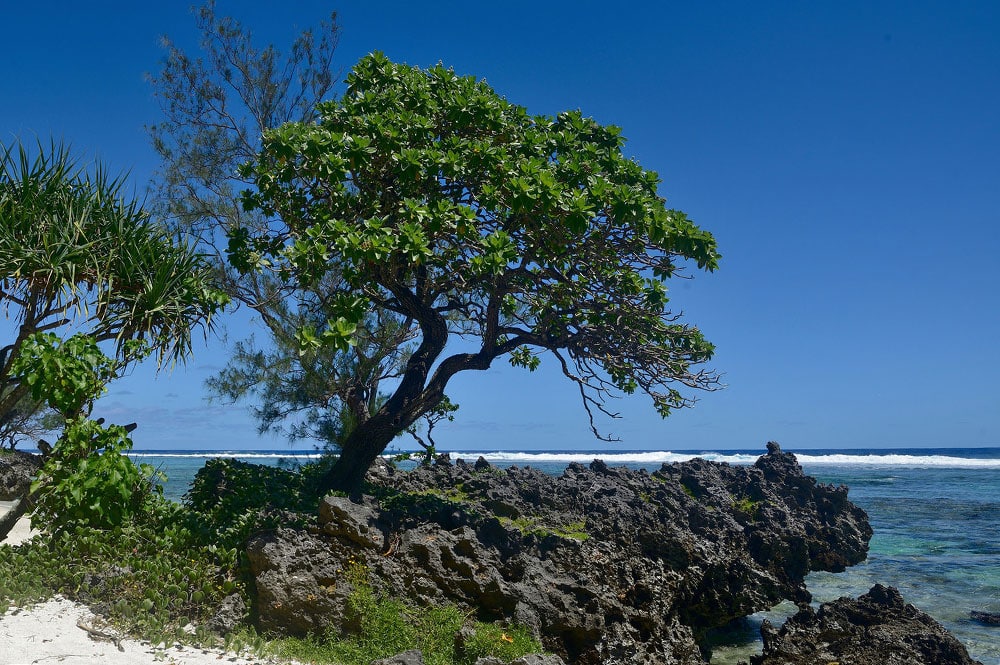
(937, 539)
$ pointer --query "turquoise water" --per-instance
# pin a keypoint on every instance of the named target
(936, 516)
(937, 538)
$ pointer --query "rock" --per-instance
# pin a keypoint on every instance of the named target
(990, 618)
(17, 471)
(879, 627)
(462, 638)
(301, 585)
(604, 564)
(342, 518)
(412, 657)
(539, 659)
(230, 614)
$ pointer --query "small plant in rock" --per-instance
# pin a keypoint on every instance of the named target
(507, 644)
(747, 506)
(533, 526)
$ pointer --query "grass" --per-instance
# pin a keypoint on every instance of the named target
(532, 526)
(388, 626)
(172, 579)
(747, 506)
(391, 627)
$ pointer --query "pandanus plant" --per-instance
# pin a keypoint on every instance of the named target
(78, 255)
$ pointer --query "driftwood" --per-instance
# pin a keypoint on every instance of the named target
(99, 635)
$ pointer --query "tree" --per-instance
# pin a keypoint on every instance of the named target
(215, 110)
(319, 393)
(27, 420)
(435, 200)
(443, 412)
(86, 479)
(78, 255)
(75, 253)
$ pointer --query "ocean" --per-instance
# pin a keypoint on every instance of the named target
(935, 512)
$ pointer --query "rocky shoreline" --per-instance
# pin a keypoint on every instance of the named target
(604, 565)
(601, 564)
(879, 627)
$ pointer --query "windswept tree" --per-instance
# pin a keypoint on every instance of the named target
(435, 200)
(317, 393)
(216, 107)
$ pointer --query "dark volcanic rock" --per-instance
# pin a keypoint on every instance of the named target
(989, 618)
(17, 471)
(231, 613)
(301, 587)
(413, 657)
(605, 565)
(879, 627)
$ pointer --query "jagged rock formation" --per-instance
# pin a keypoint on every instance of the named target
(606, 565)
(17, 471)
(879, 627)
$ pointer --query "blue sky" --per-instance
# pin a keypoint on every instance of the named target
(845, 154)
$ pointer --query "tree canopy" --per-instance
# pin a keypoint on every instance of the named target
(77, 254)
(216, 105)
(435, 200)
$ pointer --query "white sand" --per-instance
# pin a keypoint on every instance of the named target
(49, 633)
(21, 531)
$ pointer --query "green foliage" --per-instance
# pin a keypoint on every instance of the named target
(86, 480)
(75, 248)
(89, 481)
(432, 199)
(150, 578)
(68, 374)
(76, 253)
(230, 499)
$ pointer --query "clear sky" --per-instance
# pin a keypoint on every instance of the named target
(845, 154)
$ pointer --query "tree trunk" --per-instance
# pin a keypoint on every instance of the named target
(360, 450)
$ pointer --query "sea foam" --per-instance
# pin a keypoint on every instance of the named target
(636, 458)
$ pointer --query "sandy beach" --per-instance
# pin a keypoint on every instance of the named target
(56, 632)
